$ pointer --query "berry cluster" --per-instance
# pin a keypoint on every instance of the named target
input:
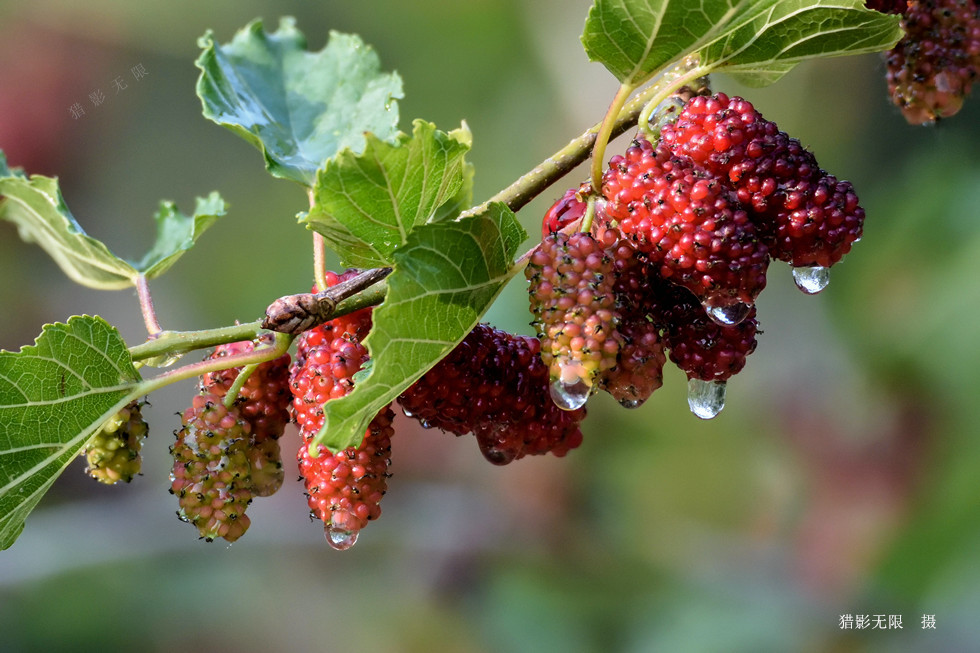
(679, 249)
(931, 70)
(344, 489)
(113, 454)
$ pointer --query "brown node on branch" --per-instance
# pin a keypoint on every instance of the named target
(294, 314)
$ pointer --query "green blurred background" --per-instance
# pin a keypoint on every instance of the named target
(842, 478)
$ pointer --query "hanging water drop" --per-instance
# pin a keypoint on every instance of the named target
(407, 413)
(340, 539)
(811, 279)
(706, 398)
(630, 403)
(728, 315)
(426, 424)
(570, 395)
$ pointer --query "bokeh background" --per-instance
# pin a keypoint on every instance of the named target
(843, 477)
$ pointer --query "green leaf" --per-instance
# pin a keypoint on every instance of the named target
(53, 397)
(366, 205)
(299, 108)
(38, 209)
(177, 233)
(756, 40)
(446, 277)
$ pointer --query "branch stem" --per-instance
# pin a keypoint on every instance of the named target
(258, 356)
(146, 306)
(605, 133)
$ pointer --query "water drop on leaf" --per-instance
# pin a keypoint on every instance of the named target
(340, 539)
(811, 279)
(570, 395)
(728, 315)
(706, 398)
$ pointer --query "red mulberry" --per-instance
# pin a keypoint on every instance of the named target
(566, 210)
(805, 216)
(344, 489)
(687, 220)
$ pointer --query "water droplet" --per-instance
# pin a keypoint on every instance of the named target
(570, 395)
(407, 413)
(340, 539)
(706, 398)
(487, 442)
(728, 315)
(426, 424)
(631, 403)
(811, 279)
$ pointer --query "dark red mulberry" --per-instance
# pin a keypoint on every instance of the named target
(495, 385)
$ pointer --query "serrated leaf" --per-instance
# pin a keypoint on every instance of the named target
(757, 40)
(366, 205)
(53, 396)
(177, 233)
(299, 108)
(36, 206)
(446, 277)
(38, 209)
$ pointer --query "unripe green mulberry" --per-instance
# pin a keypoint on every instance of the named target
(113, 455)
(211, 475)
(571, 288)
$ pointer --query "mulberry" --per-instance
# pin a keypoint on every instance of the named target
(113, 455)
(687, 220)
(571, 280)
(344, 489)
(495, 385)
(566, 210)
(805, 216)
(211, 472)
(701, 348)
(931, 70)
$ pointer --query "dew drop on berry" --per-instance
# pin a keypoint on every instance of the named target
(728, 315)
(706, 398)
(570, 395)
(811, 279)
(340, 539)
(407, 413)
(630, 403)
